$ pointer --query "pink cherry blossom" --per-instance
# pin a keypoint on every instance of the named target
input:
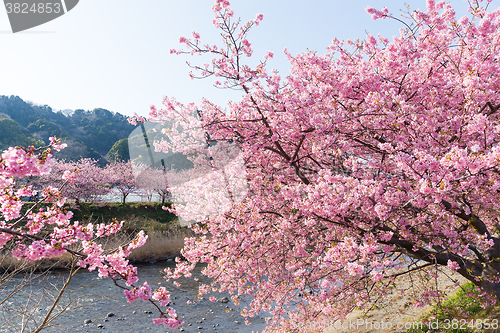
(378, 148)
(162, 295)
(453, 265)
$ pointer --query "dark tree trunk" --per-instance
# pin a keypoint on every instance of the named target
(490, 273)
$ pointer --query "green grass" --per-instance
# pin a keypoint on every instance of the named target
(137, 215)
(464, 308)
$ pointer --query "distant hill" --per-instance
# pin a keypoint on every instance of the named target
(88, 133)
(12, 135)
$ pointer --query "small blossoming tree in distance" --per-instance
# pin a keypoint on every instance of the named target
(119, 176)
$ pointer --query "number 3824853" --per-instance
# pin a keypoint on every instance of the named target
(25, 8)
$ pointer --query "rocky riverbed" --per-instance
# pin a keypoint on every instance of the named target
(107, 308)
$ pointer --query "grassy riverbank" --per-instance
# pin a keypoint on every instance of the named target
(137, 215)
(166, 236)
(461, 312)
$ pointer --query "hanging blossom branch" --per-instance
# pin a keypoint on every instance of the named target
(25, 230)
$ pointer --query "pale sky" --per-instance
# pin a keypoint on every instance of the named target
(114, 54)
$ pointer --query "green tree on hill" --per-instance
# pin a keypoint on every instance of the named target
(45, 128)
(119, 151)
(11, 135)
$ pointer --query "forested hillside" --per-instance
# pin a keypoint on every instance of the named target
(89, 134)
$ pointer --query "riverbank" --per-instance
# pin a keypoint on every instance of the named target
(396, 313)
(148, 216)
(165, 235)
(160, 246)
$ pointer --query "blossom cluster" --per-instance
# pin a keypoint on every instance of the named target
(28, 236)
(378, 159)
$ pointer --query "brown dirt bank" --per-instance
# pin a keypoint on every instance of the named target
(166, 236)
(160, 246)
(397, 308)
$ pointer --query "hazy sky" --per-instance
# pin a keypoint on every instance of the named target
(114, 54)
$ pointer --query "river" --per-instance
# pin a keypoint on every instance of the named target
(103, 298)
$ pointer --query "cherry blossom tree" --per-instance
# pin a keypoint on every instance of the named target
(46, 231)
(91, 181)
(119, 176)
(147, 179)
(377, 159)
(164, 193)
(90, 184)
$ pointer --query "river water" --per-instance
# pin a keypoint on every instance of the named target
(103, 298)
